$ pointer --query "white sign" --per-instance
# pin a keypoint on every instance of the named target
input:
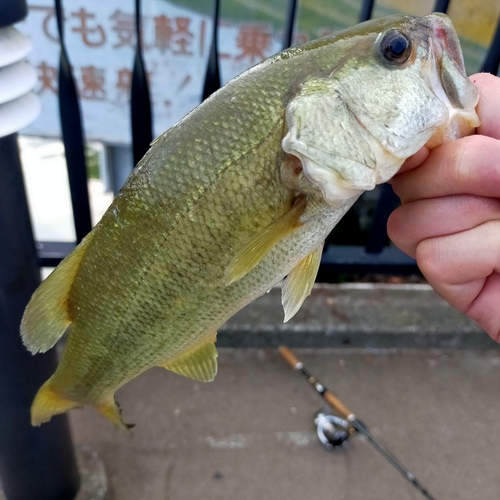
(100, 40)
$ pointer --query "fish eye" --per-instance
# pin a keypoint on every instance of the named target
(395, 47)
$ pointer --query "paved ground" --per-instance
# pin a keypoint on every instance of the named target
(250, 435)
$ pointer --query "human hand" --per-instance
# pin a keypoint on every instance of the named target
(449, 220)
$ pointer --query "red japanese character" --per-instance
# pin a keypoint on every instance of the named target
(253, 40)
(47, 77)
(178, 39)
(163, 32)
(93, 37)
(124, 27)
(183, 37)
(49, 16)
(124, 81)
(93, 83)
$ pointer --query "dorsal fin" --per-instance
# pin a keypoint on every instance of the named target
(254, 251)
(199, 363)
(46, 317)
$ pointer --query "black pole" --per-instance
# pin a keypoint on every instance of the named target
(289, 24)
(366, 11)
(212, 74)
(140, 102)
(387, 203)
(12, 11)
(441, 6)
(72, 136)
(36, 463)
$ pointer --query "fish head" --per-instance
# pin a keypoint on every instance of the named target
(393, 86)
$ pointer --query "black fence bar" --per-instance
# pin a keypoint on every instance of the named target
(50, 253)
(141, 115)
(377, 237)
(36, 463)
(492, 60)
(72, 135)
(347, 259)
(289, 24)
(441, 6)
(212, 75)
(366, 10)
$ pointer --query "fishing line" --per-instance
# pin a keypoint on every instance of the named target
(349, 416)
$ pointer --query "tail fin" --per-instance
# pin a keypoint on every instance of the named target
(48, 403)
(46, 317)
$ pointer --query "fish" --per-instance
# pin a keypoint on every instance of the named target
(238, 197)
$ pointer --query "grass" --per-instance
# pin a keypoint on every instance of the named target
(92, 160)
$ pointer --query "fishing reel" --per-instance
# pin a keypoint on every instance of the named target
(332, 431)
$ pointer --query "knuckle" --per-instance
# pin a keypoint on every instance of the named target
(394, 225)
(428, 259)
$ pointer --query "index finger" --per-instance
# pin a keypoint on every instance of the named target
(415, 160)
(488, 107)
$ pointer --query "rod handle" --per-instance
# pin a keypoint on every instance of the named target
(288, 356)
(335, 402)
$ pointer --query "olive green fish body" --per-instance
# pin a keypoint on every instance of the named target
(238, 195)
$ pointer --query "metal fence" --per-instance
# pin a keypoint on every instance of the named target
(39, 463)
(375, 255)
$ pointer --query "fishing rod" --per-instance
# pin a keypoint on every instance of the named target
(349, 416)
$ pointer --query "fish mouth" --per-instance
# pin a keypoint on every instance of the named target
(446, 36)
(450, 83)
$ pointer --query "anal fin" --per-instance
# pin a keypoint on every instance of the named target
(46, 317)
(254, 251)
(298, 284)
(199, 363)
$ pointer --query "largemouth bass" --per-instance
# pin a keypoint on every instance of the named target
(238, 196)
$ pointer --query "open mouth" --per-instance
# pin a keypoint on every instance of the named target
(450, 83)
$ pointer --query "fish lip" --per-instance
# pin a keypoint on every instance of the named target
(446, 37)
(445, 54)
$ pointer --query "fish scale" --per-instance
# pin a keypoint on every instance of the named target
(170, 275)
(237, 197)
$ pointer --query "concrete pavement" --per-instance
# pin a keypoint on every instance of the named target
(357, 315)
(250, 435)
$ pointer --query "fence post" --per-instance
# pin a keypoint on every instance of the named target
(35, 463)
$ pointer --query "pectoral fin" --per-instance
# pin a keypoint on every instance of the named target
(299, 283)
(198, 364)
(46, 317)
(252, 253)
